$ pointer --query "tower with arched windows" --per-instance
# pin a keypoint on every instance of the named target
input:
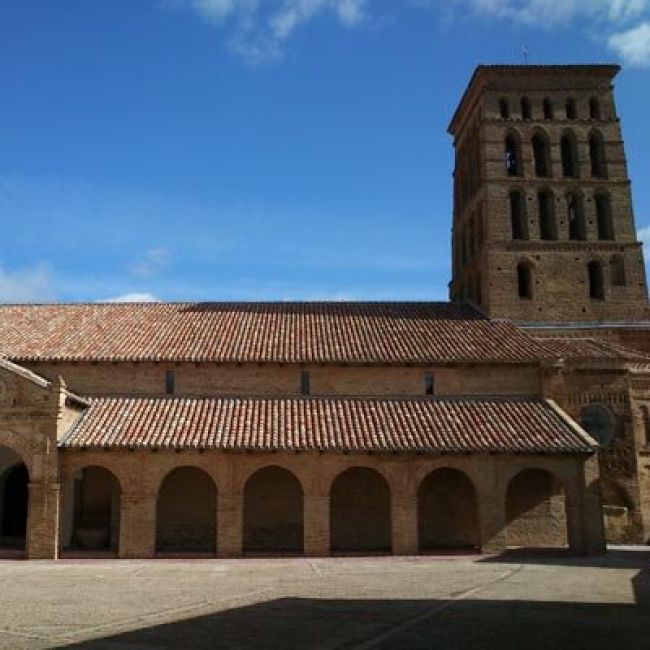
(541, 175)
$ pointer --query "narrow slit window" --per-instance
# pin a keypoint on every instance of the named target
(305, 383)
(428, 384)
(170, 382)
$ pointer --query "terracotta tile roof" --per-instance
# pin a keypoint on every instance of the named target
(335, 332)
(458, 425)
(592, 349)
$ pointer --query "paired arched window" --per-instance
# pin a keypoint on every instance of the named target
(617, 271)
(504, 108)
(594, 109)
(604, 223)
(525, 280)
(569, 152)
(571, 109)
(597, 155)
(546, 211)
(576, 216)
(541, 155)
(513, 156)
(547, 107)
(526, 110)
(518, 215)
(596, 284)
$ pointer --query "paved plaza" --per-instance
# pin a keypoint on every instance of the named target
(511, 601)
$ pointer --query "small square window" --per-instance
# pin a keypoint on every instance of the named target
(428, 384)
(170, 379)
(305, 388)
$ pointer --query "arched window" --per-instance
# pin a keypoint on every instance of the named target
(571, 110)
(546, 209)
(548, 109)
(594, 109)
(617, 271)
(604, 216)
(542, 155)
(525, 280)
(569, 152)
(513, 156)
(526, 111)
(596, 285)
(518, 215)
(597, 155)
(504, 108)
(645, 415)
(576, 216)
(599, 422)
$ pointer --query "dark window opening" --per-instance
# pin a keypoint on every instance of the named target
(525, 281)
(548, 109)
(569, 153)
(513, 164)
(518, 216)
(541, 155)
(604, 216)
(547, 224)
(526, 111)
(594, 109)
(596, 285)
(576, 216)
(645, 414)
(504, 108)
(597, 155)
(617, 271)
(305, 383)
(571, 110)
(428, 384)
(170, 379)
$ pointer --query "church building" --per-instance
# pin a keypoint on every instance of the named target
(515, 415)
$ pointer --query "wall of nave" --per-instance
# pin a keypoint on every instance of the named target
(286, 380)
(231, 505)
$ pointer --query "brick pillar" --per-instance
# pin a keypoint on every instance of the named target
(138, 525)
(585, 529)
(404, 525)
(317, 526)
(492, 520)
(43, 521)
(230, 530)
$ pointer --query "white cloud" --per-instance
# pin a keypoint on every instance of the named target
(26, 285)
(633, 45)
(153, 260)
(261, 29)
(132, 297)
(644, 236)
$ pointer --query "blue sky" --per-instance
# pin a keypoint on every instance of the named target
(263, 149)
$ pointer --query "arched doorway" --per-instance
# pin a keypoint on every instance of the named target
(91, 519)
(535, 510)
(447, 511)
(14, 500)
(186, 512)
(273, 512)
(360, 512)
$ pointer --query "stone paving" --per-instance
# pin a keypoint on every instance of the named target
(511, 601)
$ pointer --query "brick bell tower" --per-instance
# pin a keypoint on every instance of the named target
(543, 227)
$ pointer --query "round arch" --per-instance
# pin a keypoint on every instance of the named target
(273, 512)
(447, 511)
(360, 517)
(14, 499)
(535, 510)
(91, 514)
(186, 512)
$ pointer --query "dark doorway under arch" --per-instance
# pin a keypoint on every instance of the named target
(273, 512)
(186, 512)
(14, 500)
(360, 512)
(447, 511)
